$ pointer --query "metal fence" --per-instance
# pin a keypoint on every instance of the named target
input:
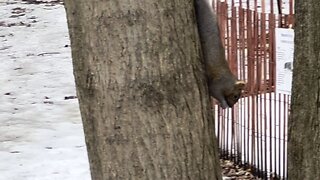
(254, 133)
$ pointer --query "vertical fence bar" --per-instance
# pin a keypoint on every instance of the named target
(250, 84)
(275, 132)
(291, 13)
(279, 136)
(242, 44)
(264, 59)
(242, 142)
(258, 90)
(249, 158)
(280, 13)
(223, 139)
(273, 66)
(284, 135)
(256, 78)
(286, 140)
(234, 34)
(233, 134)
(270, 83)
(219, 127)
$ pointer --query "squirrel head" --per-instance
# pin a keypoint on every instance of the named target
(233, 95)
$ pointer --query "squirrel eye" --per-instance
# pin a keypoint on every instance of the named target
(236, 96)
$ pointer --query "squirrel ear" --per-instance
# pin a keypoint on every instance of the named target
(240, 85)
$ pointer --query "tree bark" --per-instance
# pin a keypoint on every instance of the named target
(142, 91)
(304, 130)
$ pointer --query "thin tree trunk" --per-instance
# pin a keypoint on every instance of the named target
(142, 92)
(304, 130)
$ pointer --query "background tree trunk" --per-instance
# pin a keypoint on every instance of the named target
(304, 130)
(142, 92)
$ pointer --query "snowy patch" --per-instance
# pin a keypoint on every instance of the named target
(41, 130)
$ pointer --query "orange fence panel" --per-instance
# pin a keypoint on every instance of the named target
(254, 132)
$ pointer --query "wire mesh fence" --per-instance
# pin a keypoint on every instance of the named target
(254, 132)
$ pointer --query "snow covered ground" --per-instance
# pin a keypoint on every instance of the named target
(41, 135)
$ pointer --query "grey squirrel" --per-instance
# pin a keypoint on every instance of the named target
(222, 84)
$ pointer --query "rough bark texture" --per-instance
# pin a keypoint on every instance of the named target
(142, 92)
(304, 130)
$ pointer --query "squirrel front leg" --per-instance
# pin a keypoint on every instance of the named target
(217, 93)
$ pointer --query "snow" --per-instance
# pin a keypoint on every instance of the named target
(41, 132)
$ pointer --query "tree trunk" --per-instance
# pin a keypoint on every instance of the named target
(142, 91)
(304, 130)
